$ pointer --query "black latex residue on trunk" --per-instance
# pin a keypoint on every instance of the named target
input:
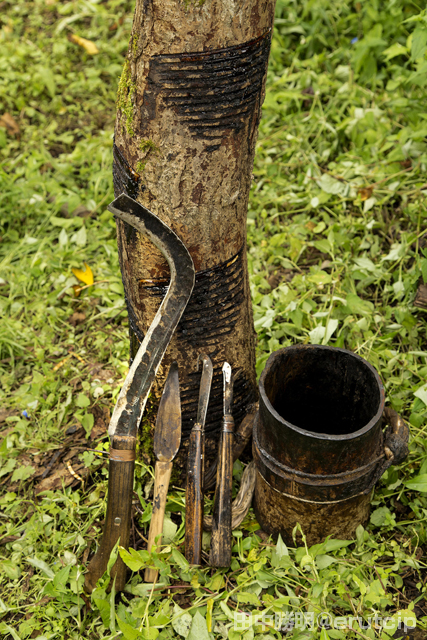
(210, 91)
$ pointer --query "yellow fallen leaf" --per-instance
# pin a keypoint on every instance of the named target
(85, 276)
(61, 363)
(87, 45)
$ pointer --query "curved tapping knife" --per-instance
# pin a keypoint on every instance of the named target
(134, 393)
(220, 555)
(195, 470)
(167, 438)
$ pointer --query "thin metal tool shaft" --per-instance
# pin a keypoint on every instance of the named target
(194, 498)
(220, 555)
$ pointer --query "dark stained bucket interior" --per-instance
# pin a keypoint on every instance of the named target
(322, 390)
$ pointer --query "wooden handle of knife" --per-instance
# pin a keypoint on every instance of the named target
(118, 518)
(220, 555)
(162, 476)
(194, 497)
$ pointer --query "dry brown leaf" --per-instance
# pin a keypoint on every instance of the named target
(9, 123)
(89, 46)
(77, 318)
(365, 193)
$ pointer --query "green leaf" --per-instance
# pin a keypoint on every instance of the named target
(324, 561)
(359, 306)
(5, 628)
(199, 628)
(61, 578)
(169, 530)
(22, 473)
(80, 238)
(133, 559)
(360, 584)
(418, 483)
(41, 564)
(113, 557)
(396, 49)
(104, 610)
(247, 598)
(8, 467)
(180, 560)
(334, 545)
(419, 42)
(421, 393)
(181, 621)
(87, 423)
(381, 516)
(46, 76)
(11, 569)
(82, 400)
(130, 633)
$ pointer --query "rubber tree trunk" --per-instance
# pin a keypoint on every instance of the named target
(189, 104)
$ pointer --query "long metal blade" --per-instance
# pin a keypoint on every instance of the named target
(167, 435)
(228, 388)
(134, 393)
(205, 388)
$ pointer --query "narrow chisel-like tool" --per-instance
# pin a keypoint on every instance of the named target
(167, 438)
(220, 555)
(195, 470)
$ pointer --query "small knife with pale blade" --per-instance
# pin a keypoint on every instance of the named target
(167, 438)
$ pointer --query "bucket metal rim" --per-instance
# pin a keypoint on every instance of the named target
(323, 436)
(304, 477)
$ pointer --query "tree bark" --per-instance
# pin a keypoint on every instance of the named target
(189, 104)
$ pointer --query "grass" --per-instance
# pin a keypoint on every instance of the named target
(336, 252)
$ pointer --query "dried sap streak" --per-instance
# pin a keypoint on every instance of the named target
(125, 179)
(211, 91)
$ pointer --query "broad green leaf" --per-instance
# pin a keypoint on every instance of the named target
(169, 530)
(421, 393)
(357, 305)
(132, 559)
(80, 237)
(247, 598)
(5, 629)
(41, 564)
(324, 635)
(104, 610)
(381, 516)
(199, 628)
(360, 584)
(396, 49)
(418, 483)
(82, 400)
(324, 561)
(181, 621)
(61, 578)
(113, 557)
(11, 569)
(22, 473)
(180, 560)
(129, 632)
(333, 545)
(8, 466)
(87, 421)
(419, 42)
(279, 553)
